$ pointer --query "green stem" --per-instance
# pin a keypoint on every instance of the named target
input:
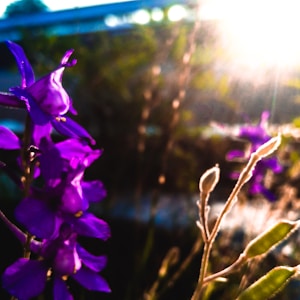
(28, 174)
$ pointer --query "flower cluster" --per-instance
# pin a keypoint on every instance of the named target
(257, 135)
(54, 209)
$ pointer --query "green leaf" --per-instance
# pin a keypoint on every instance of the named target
(296, 122)
(270, 238)
(270, 284)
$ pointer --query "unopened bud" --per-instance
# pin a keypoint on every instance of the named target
(269, 147)
(209, 180)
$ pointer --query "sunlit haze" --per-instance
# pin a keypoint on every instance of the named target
(258, 33)
(255, 33)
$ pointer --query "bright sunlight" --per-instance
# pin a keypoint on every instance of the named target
(258, 33)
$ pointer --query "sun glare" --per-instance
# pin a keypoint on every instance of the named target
(258, 33)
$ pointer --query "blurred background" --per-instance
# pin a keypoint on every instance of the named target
(164, 86)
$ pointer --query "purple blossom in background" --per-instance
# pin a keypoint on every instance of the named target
(55, 206)
(256, 135)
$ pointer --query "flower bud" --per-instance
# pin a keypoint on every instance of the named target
(269, 147)
(209, 180)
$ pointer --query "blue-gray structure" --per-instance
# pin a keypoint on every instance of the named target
(79, 20)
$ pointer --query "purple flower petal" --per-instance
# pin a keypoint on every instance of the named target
(255, 188)
(38, 116)
(274, 165)
(91, 226)
(95, 263)
(37, 217)
(24, 66)
(66, 57)
(235, 154)
(66, 260)
(25, 278)
(70, 128)
(268, 194)
(11, 100)
(47, 92)
(60, 290)
(93, 191)
(91, 280)
(50, 95)
(255, 134)
(72, 110)
(8, 140)
(71, 148)
(41, 132)
(71, 201)
(51, 164)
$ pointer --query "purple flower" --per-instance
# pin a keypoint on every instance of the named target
(9, 140)
(45, 99)
(42, 216)
(60, 259)
(54, 210)
(65, 195)
(256, 135)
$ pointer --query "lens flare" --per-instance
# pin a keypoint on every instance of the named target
(258, 33)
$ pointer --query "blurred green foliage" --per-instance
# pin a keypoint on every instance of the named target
(108, 85)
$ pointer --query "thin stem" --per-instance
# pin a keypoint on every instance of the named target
(25, 157)
(230, 269)
(14, 229)
(20, 235)
(203, 269)
(262, 151)
(243, 178)
(28, 174)
(203, 214)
